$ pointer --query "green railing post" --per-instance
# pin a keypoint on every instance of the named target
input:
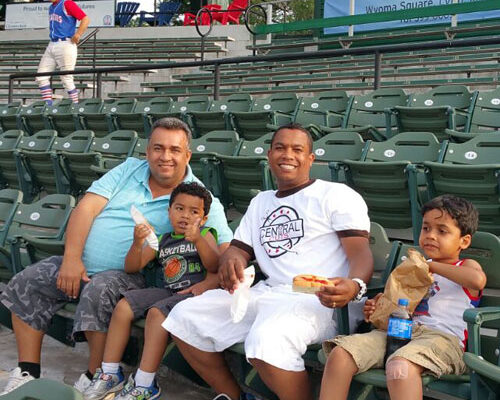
(377, 73)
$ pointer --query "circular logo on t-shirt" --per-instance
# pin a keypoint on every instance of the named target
(471, 155)
(200, 148)
(174, 267)
(281, 230)
(34, 216)
(258, 150)
(105, 146)
(369, 104)
(319, 152)
(428, 102)
(389, 153)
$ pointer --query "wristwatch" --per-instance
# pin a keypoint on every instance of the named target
(362, 290)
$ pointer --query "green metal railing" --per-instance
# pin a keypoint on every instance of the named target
(360, 19)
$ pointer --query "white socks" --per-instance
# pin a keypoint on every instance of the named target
(110, 368)
(143, 378)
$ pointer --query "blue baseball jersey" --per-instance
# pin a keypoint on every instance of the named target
(62, 19)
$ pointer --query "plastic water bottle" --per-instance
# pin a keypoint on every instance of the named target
(399, 328)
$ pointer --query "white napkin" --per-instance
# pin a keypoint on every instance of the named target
(138, 218)
(241, 296)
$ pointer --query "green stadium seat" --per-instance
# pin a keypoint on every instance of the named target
(8, 116)
(326, 110)
(46, 218)
(138, 119)
(45, 168)
(104, 154)
(40, 142)
(330, 150)
(247, 173)
(277, 109)
(209, 146)
(471, 170)
(140, 148)
(422, 119)
(31, 118)
(365, 114)
(484, 116)
(8, 172)
(62, 116)
(178, 109)
(99, 120)
(9, 201)
(387, 179)
(217, 116)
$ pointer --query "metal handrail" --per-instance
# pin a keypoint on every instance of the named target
(89, 36)
(377, 51)
(85, 40)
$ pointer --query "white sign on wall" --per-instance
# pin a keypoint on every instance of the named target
(36, 15)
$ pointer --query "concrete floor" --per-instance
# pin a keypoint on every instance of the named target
(65, 364)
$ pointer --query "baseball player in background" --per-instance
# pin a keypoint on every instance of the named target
(61, 51)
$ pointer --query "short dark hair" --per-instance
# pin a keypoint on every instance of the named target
(297, 127)
(461, 210)
(193, 189)
(172, 124)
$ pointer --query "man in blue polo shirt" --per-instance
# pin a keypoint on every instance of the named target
(99, 234)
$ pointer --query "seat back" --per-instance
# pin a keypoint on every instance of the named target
(40, 141)
(416, 147)
(8, 116)
(167, 11)
(282, 102)
(326, 109)
(486, 112)
(118, 144)
(192, 103)
(31, 117)
(369, 109)
(77, 142)
(140, 148)
(338, 146)
(61, 116)
(457, 96)
(9, 200)
(8, 172)
(484, 148)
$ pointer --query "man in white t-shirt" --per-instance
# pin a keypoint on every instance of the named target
(306, 226)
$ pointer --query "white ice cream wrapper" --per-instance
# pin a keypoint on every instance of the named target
(241, 296)
(138, 218)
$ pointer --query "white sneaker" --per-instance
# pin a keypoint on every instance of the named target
(16, 379)
(82, 383)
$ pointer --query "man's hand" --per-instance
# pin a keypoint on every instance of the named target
(370, 306)
(76, 38)
(69, 277)
(231, 272)
(210, 282)
(339, 295)
(192, 232)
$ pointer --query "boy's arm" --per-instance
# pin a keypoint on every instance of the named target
(208, 252)
(138, 257)
(470, 275)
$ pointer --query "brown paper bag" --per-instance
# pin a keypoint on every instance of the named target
(409, 280)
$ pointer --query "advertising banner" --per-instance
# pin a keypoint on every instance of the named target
(337, 8)
(36, 15)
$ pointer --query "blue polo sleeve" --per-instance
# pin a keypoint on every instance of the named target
(217, 219)
(109, 182)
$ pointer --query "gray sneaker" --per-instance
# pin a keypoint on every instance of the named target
(103, 384)
(132, 392)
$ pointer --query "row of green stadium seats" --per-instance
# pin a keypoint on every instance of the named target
(394, 177)
(378, 115)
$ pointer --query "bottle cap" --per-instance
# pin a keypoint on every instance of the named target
(403, 302)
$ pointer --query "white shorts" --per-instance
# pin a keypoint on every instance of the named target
(277, 328)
